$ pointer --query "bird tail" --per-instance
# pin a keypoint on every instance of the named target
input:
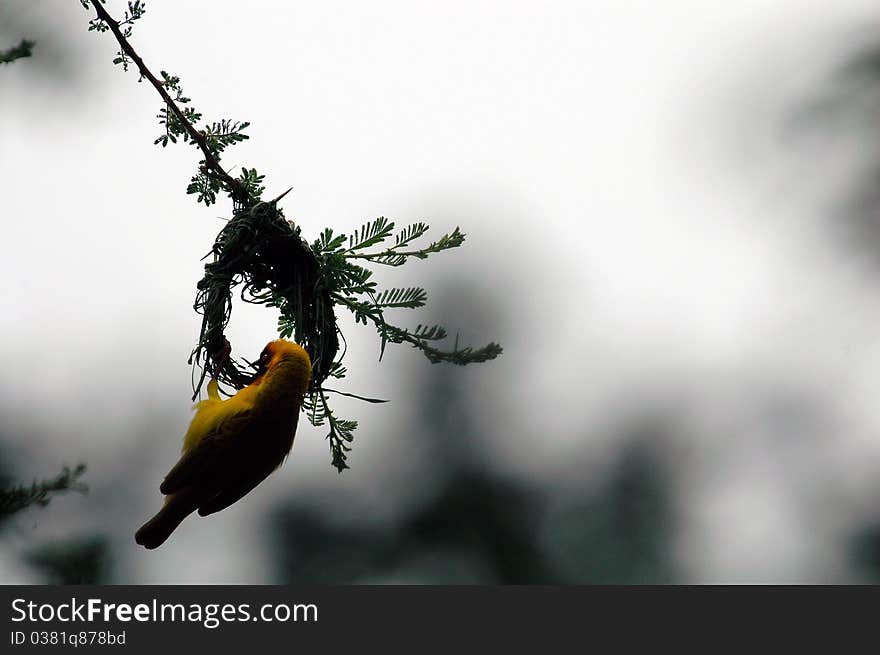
(154, 532)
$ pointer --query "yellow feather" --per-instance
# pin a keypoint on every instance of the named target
(212, 412)
(213, 389)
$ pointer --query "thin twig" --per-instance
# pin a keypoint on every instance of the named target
(199, 138)
(386, 253)
(354, 395)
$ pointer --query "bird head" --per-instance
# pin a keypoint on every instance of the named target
(286, 362)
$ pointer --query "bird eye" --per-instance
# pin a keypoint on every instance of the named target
(265, 357)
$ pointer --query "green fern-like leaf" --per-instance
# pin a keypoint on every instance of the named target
(370, 234)
(393, 256)
(327, 243)
(410, 298)
(410, 233)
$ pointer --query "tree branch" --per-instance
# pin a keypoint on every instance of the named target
(15, 499)
(198, 138)
(23, 49)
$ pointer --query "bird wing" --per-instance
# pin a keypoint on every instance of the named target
(238, 488)
(214, 456)
(230, 495)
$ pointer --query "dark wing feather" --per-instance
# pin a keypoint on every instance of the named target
(255, 466)
(231, 495)
(213, 457)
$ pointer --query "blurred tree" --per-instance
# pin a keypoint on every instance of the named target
(841, 117)
(864, 553)
(57, 66)
(75, 561)
(16, 498)
(23, 49)
(311, 549)
(619, 533)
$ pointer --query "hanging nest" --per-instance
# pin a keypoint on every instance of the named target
(262, 252)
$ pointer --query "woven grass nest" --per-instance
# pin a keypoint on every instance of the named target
(262, 252)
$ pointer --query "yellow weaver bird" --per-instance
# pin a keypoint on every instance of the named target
(232, 445)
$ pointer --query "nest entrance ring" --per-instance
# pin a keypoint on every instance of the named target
(263, 253)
